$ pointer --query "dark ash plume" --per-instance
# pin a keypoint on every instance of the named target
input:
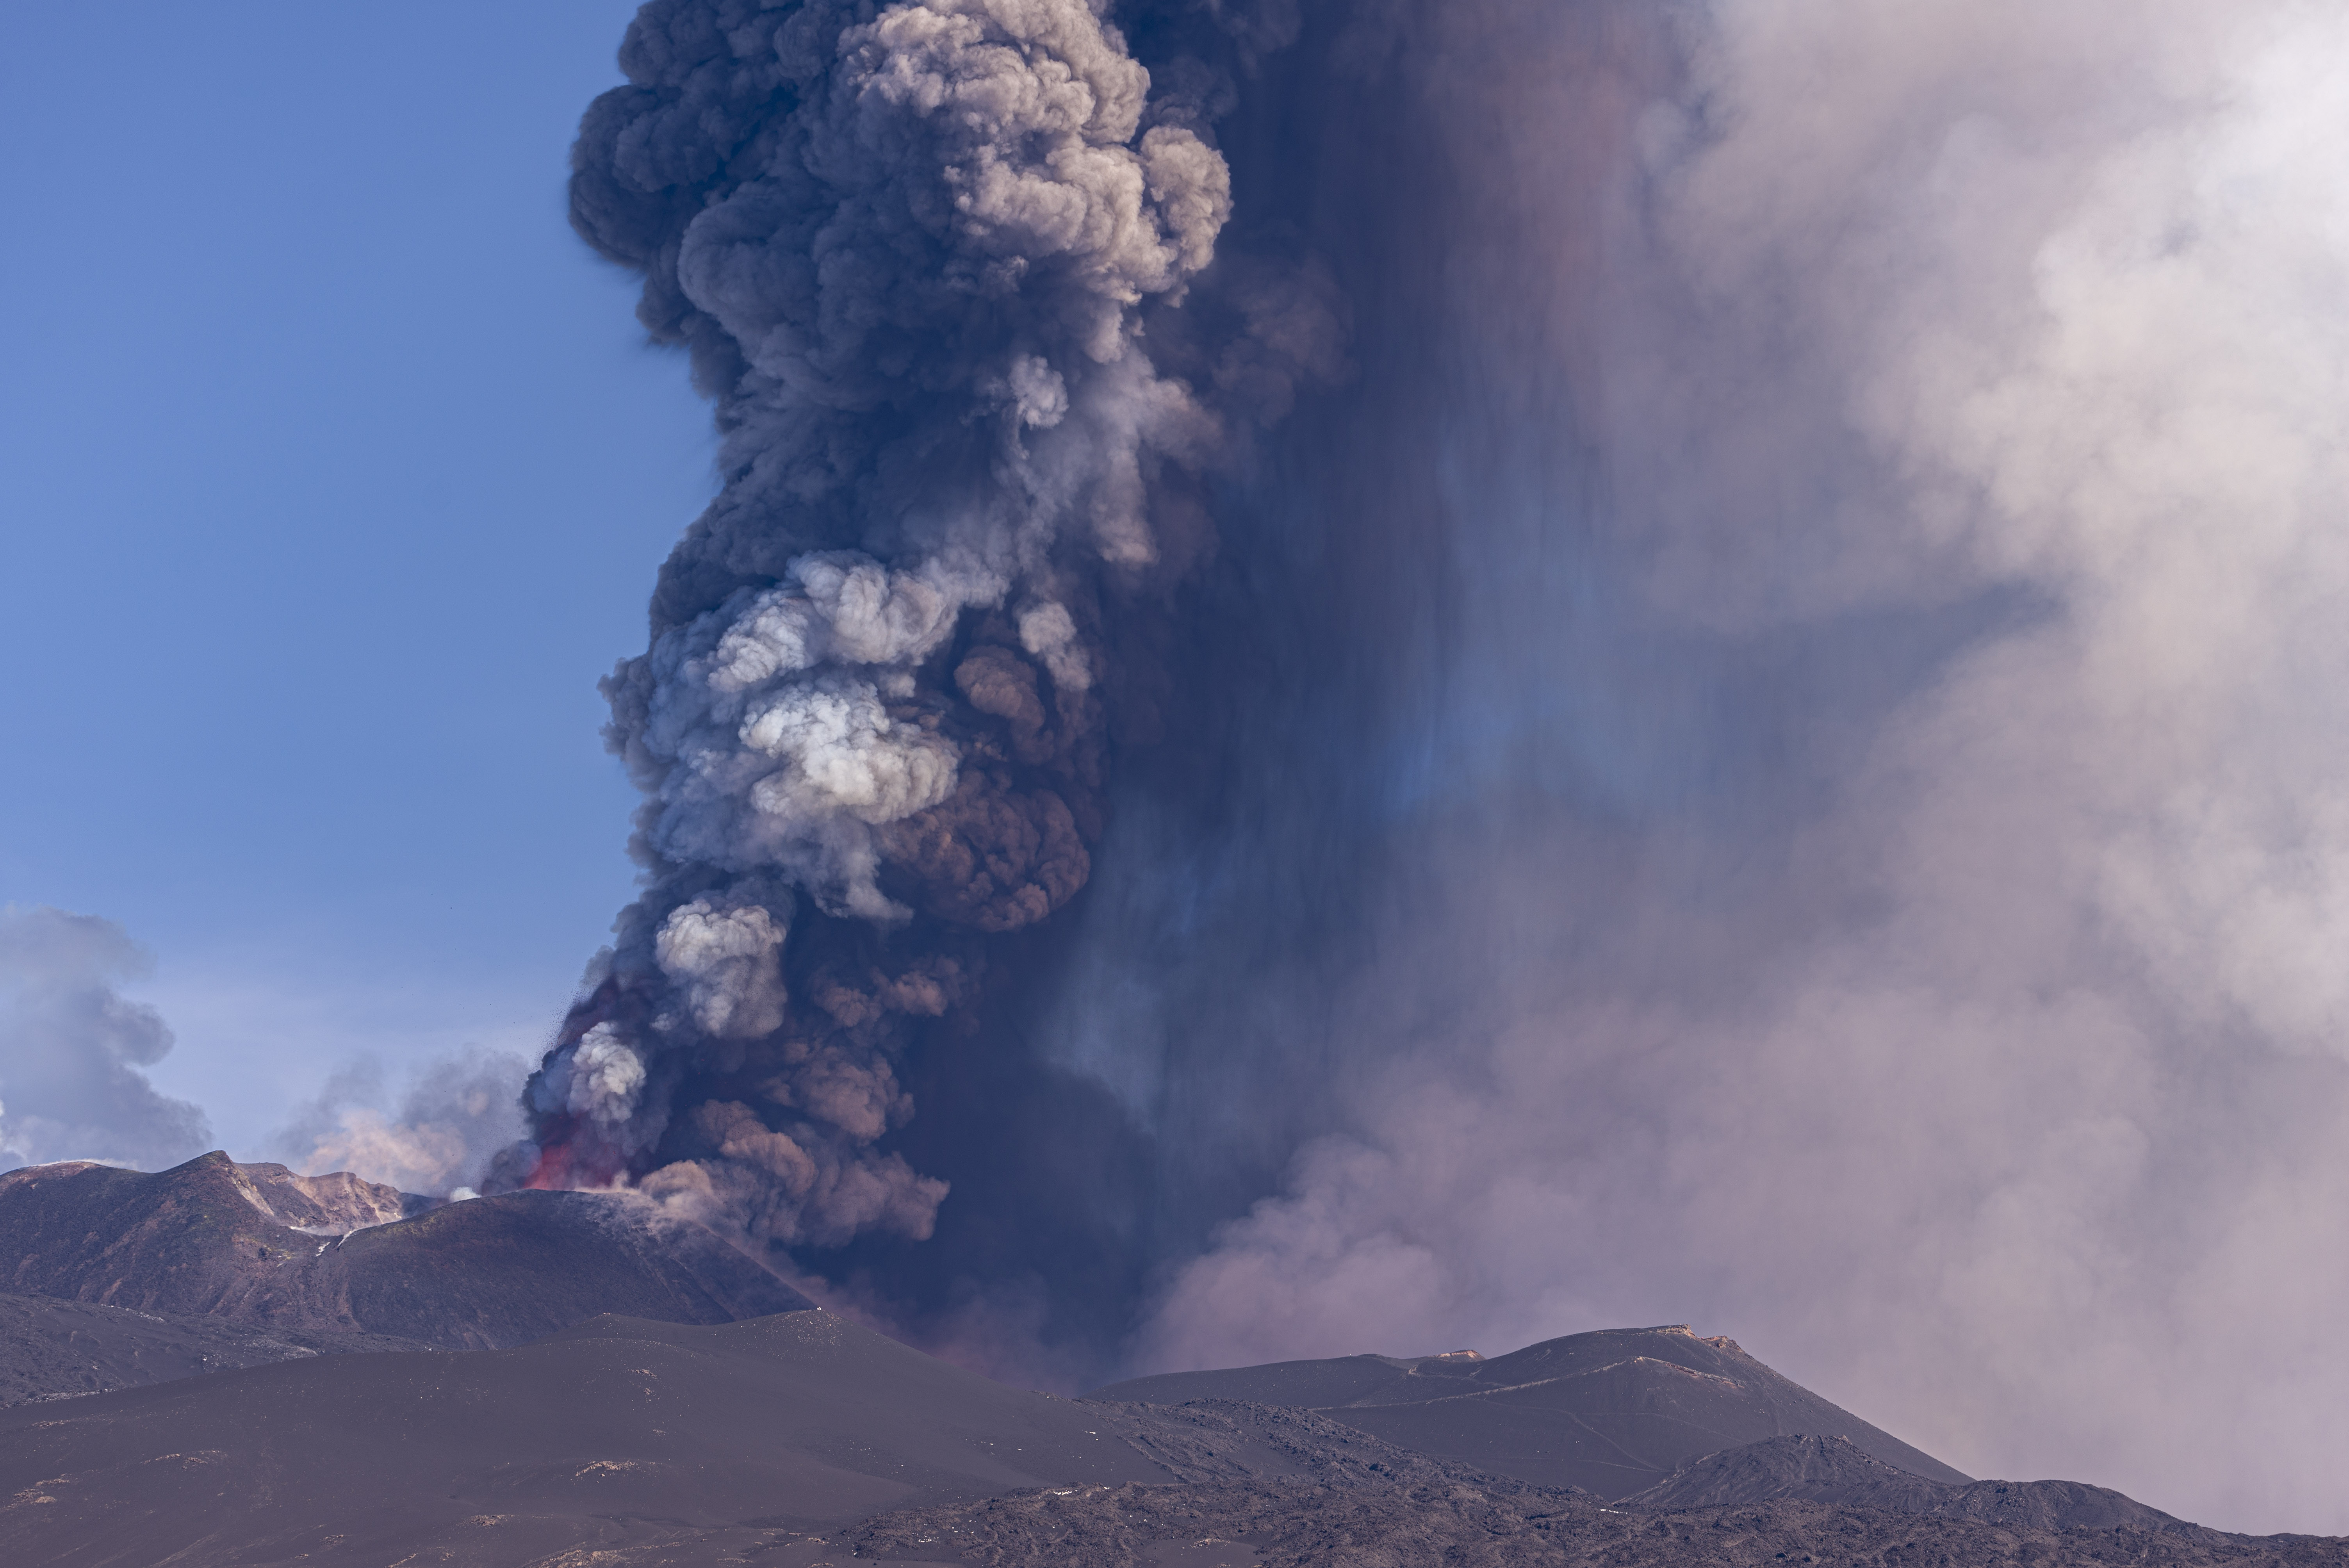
(913, 250)
(1783, 729)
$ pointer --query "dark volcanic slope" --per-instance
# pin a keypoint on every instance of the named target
(508, 1270)
(1446, 1523)
(612, 1431)
(1614, 1411)
(800, 1439)
(255, 1244)
(1830, 1469)
(52, 1349)
(1819, 1470)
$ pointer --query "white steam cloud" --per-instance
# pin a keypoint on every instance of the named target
(71, 1047)
(726, 961)
(2009, 1101)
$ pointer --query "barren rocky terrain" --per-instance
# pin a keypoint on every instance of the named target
(235, 1366)
(1613, 1411)
(259, 1247)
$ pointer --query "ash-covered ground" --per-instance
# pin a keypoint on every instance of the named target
(1461, 1521)
(1355, 1502)
(207, 1318)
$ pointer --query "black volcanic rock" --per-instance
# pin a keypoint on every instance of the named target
(1497, 1524)
(2058, 1505)
(1613, 1411)
(1831, 1470)
(1819, 1469)
(259, 1246)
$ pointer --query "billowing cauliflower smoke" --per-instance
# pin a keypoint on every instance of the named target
(908, 249)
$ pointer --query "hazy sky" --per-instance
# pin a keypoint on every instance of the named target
(335, 473)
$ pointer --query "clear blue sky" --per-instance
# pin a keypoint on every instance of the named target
(333, 472)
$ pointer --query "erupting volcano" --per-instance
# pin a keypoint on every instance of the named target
(926, 263)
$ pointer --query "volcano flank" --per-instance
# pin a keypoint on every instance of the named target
(225, 1364)
(1610, 1412)
(260, 1247)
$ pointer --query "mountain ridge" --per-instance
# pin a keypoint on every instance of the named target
(262, 1247)
(706, 1432)
(805, 1439)
(1612, 1410)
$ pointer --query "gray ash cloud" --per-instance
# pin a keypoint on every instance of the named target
(924, 257)
(1781, 727)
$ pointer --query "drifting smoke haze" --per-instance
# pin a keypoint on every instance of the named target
(1414, 674)
(1869, 853)
(71, 1047)
(455, 1115)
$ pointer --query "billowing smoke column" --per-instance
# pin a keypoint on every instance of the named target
(911, 248)
(1773, 759)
